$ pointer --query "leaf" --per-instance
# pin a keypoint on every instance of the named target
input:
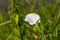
(16, 19)
(16, 32)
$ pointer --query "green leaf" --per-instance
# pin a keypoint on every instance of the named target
(16, 19)
(16, 32)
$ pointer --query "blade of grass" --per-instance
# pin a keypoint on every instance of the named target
(5, 22)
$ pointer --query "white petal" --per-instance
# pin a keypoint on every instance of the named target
(32, 18)
(38, 21)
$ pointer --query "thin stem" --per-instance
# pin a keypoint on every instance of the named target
(5, 22)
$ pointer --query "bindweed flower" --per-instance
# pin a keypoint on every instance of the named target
(32, 18)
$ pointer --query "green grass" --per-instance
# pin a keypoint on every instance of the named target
(18, 29)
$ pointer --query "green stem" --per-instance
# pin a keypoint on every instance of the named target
(5, 22)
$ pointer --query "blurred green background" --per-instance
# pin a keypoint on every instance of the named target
(16, 10)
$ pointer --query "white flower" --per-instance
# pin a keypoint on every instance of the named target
(32, 18)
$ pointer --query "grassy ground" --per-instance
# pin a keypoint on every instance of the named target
(17, 29)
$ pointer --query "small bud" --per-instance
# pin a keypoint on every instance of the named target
(46, 35)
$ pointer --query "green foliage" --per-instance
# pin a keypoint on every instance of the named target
(18, 29)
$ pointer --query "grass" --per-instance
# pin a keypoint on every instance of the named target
(18, 29)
